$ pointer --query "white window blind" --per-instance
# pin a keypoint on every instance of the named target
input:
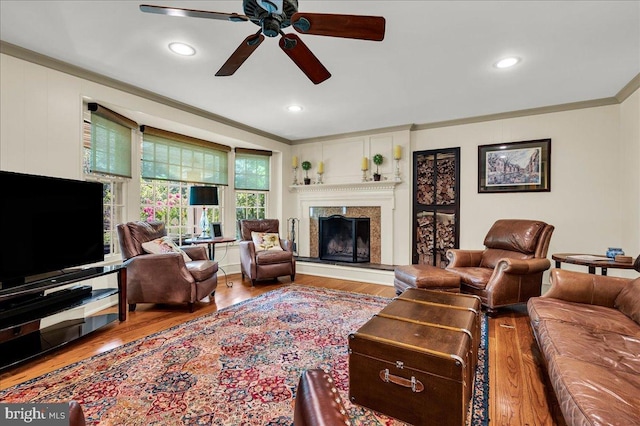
(110, 142)
(175, 157)
(252, 169)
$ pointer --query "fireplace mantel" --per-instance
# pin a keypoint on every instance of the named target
(357, 194)
(383, 185)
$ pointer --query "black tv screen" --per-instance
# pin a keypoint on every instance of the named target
(48, 225)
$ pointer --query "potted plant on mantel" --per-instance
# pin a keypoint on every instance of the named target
(377, 160)
(306, 166)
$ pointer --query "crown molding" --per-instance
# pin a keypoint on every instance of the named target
(520, 113)
(401, 128)
(629, 89)
(64, 67)
(39, 59)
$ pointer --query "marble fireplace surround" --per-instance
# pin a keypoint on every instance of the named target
(373, 213)
(371, 199)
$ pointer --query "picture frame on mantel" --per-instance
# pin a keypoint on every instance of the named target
(523, 166)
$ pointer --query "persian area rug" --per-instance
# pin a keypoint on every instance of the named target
(238, 366)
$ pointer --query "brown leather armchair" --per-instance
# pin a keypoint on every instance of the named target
(264, 264)
(509, 270)
(164, 277)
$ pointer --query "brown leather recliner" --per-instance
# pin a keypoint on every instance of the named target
(264, 264)
(164, 277)
(509, 270)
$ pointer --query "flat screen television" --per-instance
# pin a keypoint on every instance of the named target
(47, 225)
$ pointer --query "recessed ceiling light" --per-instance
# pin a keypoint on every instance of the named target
(507, 62)
(182, 49)
(294, 108)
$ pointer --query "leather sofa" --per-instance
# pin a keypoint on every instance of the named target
(588, 329)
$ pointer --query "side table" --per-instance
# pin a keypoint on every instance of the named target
(211, 242)
(591, 261)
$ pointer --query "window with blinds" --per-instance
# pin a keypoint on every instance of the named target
(110, 142)
(175, 157)
(252, 169)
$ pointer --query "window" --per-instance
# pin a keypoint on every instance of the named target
(251, 181)
(107, 159)
(251, 205)
(168, 201)
(252, 169)
(171, 164)
(175, 157)
(110, 142)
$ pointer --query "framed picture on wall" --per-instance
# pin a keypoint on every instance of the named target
(515, 167)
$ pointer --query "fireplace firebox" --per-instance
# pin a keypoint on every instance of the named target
(344, 239)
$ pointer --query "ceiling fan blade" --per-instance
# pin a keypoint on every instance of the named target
(192, 13)
(304, 58)
(346, 26)
(240, 55)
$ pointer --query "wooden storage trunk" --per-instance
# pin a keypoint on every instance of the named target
(416, 359)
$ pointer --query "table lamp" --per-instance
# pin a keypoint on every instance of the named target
(203, 196)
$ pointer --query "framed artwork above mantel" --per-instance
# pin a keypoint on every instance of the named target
(523, 166)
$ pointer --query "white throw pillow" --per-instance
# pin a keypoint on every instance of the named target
(266, 241)
(164, 245)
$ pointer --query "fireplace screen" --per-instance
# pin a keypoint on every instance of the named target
(344, 239)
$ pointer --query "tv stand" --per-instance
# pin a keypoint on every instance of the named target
(22, 338)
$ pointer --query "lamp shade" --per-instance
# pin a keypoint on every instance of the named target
(203, 196)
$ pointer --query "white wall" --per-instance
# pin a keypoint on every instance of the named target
(342, 159)
(594, 202)
(41, 133)
(629, 174)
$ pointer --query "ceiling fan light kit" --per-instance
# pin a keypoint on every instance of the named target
(272, 16)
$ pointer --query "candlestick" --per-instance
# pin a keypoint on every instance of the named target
(295, 175)
(397, 174)
(397, 152)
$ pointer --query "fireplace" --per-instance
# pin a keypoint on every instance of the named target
(344, 239)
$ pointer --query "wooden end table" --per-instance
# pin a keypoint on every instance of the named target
(592, 261)
(211, 242)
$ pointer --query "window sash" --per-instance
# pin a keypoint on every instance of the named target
(168, 159)
(252, 172)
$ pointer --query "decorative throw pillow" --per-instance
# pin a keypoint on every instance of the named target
(628, 300)
(164, 245)
(266, 241)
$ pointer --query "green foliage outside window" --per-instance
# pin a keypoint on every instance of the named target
(167, 202)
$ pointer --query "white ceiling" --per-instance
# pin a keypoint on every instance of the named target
(435, 63)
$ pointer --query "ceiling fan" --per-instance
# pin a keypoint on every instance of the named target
(274, 15)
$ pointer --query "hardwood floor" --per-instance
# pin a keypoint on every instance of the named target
(518, 391)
